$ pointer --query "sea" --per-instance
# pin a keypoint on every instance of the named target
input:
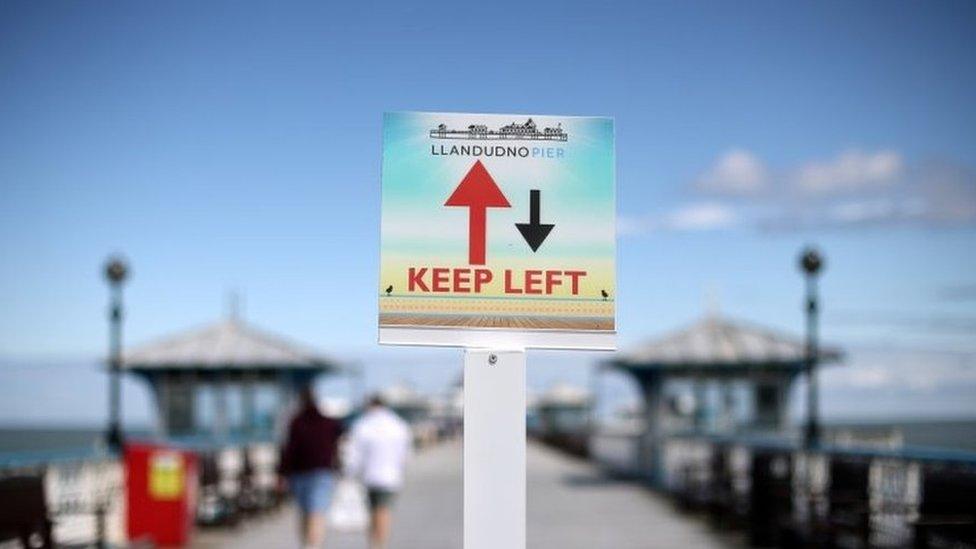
(957, 434)
(954, 434)
(16, 439)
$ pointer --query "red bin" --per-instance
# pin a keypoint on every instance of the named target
(161, 489)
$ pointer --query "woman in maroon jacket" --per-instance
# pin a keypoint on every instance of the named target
(308, 464)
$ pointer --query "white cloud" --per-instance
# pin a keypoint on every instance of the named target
(896, 383)
(628, 225)
(704, 216)
(735, 172)
(909, 370)
(701, 217)
(851, 170)
(854, 189)
(862, 211)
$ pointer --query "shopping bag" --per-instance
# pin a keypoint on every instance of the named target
(349, 511)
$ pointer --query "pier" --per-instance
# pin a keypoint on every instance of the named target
(709, 459)
(571, 504)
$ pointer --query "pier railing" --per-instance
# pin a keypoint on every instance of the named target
(237, 479)
(73, 497)
(77, 497)
(783, 495)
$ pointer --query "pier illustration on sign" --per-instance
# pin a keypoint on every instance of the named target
(526, 131)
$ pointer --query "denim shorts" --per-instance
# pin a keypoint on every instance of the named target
(312, 490)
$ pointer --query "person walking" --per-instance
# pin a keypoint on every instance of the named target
(378, 449)
(308, 464)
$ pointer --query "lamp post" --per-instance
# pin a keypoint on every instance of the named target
(811, 263)
(116, 272)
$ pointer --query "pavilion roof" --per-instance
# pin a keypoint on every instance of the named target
(226, 345)
(715, 342)
(402, 394)
(564, 395)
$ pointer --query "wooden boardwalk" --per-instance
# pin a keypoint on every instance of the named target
(570, 505)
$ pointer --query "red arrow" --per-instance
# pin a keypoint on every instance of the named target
(478, 192)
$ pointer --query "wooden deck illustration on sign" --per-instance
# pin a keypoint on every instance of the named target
(494, 321)
(488, 312)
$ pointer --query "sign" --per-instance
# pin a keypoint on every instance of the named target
(166, 476)
(497, 230)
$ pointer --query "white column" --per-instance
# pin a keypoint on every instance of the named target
(494, 449)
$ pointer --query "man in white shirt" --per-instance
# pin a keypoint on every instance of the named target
(379, 445)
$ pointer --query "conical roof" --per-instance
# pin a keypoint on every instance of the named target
(402, 394)
(227, 345)
(564, 394)
(717, 342)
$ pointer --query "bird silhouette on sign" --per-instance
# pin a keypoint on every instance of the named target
(389, 289)
(604, 294)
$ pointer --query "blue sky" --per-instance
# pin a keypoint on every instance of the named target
(226, 146)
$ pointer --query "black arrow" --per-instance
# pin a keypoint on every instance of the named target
(533, 232)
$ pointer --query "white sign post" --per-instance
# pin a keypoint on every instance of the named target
(497, 235)
(494, 449)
